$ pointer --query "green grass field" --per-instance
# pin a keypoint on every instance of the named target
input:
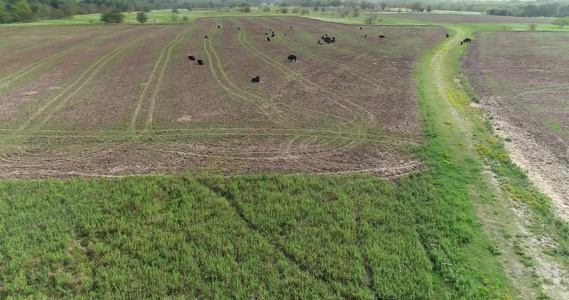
(445, 232)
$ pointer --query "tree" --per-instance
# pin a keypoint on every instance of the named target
(175, 10)
(174, 17)
(284, 10)
(383, 5)
(429, 8)
(344, 13)
(416, 6)
(323, 10)
(185, 19)
(532, 26)
(266, 9)
(141, 17)
(560, 22)
(146, 9)
(366, 5)
(295, 10)
(356, 13)
(304, 12)
(113, 16)
(316, 9)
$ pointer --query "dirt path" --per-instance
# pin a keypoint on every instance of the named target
(493, 217)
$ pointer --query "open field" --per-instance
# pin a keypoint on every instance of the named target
(464, 18)
(522, 81)
(129, 101)
(465, 224)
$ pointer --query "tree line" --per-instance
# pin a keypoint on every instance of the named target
(30, 10)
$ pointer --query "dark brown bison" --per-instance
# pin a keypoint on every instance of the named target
(467, 40)
(191, 57)
(292, 57)
(448, 35)
(268, 39)
(256, 79)
(382, 36)
(200, 62)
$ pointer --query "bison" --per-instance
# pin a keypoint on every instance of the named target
(256, 79)
(191, 57)
(292, 57)
(319, 43)
(200, 62)
(448, 35)
(206, 36)
(365, 36)
(268, 39)
(467, 40)
(218, 26)
(382, 36)
(361, 28)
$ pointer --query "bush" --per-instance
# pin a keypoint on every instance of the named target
(141, 17)
(174, 17)
(532, 26)
(266, 9)
(113, 16)
(344, 13)
(284, 10)
(185, 19)
(316, 8)
(146, 9)
(296, 10)
(304, 12)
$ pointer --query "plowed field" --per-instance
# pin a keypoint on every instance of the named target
(522, 81)
(98, 101)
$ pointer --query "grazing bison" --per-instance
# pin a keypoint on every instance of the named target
(285, 33)
(268, 39)
(322, 37)
(273, 35)
(467, 40)
(319, 43)
(365, 36)
(200, 62)
(218, 26)
(361, 28)
(292, 57)
(191, 57)
(238, 28)
(333, 40)
(290, 27)
(256, 79)
(327, 40)
(266, 33)
(448, 35)
(382, 36)
(461, 43)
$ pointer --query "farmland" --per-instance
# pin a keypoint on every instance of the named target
(129, 101)
(270, 188)
(527, 98)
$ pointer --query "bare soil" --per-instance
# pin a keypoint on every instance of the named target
(458, 18)
(138, 105)
(527, 98)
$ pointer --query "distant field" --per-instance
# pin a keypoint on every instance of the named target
(522, 81)
(464, 18)
(120, 100)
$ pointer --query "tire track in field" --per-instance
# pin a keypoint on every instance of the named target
(267, 108)
(306, 82)
(27, 70)
(291, 259)
(368, 270)
(141, 101)
(303, 81)
(80, 82)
